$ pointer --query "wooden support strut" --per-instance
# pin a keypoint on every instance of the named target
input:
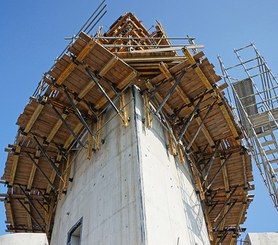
(208, 85)
(147, 109)
(123, 109)
(14, 165)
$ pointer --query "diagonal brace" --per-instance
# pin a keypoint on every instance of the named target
(52, 164)
(189, 119)
(78, 112)
(170, 91)
(38, 167)
(66, 124)
(31, 203)
(101, 89)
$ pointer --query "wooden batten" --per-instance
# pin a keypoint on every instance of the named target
(172, 147)
(123, 110)
(147, 111)
(90, 141)
(14, 164)
(99, 130)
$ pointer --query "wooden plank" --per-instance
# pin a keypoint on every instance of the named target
(33, 118)
(14, 164)
(108, 66)
(84, 52)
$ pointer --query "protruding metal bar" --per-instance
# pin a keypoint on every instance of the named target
(211, 161)
(52, 164)
(219, 170)
(189, 119)
(224, 216)
(33, 218)
(227, 201)
(101, 89)
(170, 91)
(38, 167)
(33, 206)
(66, 124)
(200, 126)
(78, 112)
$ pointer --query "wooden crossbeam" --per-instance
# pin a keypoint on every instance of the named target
(186, 100)
(33, 170)
(14, 164)
(84, 52)
(108, 65)
(33, 118)
(208, 85)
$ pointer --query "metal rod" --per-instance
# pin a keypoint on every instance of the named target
(66, 125)
(81, 29)
(200, 126)
(145, 38)
(227, 201)
(218, 171)
(38, 167)
(101, 89)
(188, 46)
(170, 91)
(78, 112)
(97, 21)
(33, 206)
(189, 119)
(52, 164)
(211, 161)
(222, 219)
(33, 218)
(95, 16)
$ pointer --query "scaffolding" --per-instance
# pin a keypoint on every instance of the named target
(255, 98)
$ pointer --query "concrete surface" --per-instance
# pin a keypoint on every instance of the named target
(24, 239)
(132, 191)
(264, 238)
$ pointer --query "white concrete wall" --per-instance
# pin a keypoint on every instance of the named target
(269, 238)
(172, 208)
(131, 191)
(24, 239)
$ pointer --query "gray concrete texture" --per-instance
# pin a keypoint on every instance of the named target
(24, 239)
(132, 191)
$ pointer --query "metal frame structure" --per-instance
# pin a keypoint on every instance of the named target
(256, 101)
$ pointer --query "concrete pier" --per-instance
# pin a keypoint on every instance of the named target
(132, 191)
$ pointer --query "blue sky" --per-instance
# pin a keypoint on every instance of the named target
(32, 36)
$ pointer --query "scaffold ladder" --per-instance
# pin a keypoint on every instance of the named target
(255, 97)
